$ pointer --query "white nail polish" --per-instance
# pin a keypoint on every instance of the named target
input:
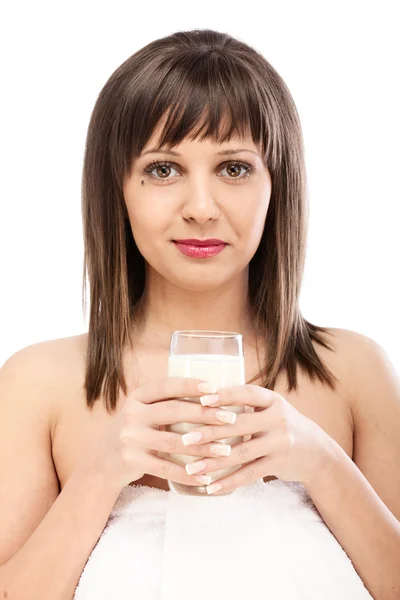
(226, 416)
(220, 449)
(204, 479)
(195, 467)
(214, 487)
(192, 437)
(209, 399)
(207, 387)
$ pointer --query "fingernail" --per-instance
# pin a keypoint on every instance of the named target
(207, 387)
(226, 416)
(195, 467)
(210, 399)
(204, 479)
(192, 437)
(214, 487)
(220, 449)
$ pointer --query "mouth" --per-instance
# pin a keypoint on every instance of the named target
(200, 250)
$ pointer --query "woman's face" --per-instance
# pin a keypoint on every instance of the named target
(202, 193)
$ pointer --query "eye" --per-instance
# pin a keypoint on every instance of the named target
(164, 166)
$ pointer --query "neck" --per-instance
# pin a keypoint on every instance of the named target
(165, 308)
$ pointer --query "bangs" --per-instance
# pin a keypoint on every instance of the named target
(208, 97)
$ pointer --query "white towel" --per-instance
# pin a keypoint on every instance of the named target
(263, 541)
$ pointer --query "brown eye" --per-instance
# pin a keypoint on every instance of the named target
(234, 170)
(163, 170)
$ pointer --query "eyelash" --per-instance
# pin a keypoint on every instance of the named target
(249, 169)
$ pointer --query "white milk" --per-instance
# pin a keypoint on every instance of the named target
(225, 371)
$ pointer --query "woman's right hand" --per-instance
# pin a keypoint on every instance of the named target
(128, 449)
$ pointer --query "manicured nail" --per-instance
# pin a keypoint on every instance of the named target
(226, 416)
(192, 437)
(209, 399)
(204, 479)
(207, 387)
(220, 449)
(195, 467)
(214, 487)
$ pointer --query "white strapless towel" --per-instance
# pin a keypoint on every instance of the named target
(263, 541)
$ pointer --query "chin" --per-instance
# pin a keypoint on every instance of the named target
(199, 283)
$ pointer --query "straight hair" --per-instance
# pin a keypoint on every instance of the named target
(210, 83)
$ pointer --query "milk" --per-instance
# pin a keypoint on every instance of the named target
(223, 369)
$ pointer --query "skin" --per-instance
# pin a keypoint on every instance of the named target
(48, 430)
(200, 198)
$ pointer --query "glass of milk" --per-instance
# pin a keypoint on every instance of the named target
(215, 356)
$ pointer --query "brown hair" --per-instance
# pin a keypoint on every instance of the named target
(188, 75)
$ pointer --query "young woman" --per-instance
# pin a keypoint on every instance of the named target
(194, 136)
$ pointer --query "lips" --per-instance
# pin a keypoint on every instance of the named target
(200, 251)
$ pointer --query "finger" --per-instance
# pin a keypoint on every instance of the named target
(246, 423)
(182, 411)
(167, 387)
(250, 395)
(242, 453)
(166, 469)
(247, 474)
(171, 443)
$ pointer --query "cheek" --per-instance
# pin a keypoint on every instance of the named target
(145, 215)
(145, 230)
(252, 221)
(148, 228)
(148, 223)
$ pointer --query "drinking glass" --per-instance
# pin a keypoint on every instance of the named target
(217, 357)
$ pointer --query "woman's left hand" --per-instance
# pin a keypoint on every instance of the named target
(284, 442)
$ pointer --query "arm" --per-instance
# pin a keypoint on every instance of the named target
(46, 536)
(360, 500)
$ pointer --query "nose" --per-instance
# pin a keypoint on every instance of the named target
(199, 204)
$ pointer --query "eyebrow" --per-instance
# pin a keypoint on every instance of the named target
(160, 151)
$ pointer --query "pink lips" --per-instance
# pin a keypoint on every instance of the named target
(200, 251)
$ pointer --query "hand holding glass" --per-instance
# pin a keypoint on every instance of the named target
(217, 357)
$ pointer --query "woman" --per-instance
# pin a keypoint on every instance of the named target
(83, 417)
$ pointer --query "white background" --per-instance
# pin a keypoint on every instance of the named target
(340, 61)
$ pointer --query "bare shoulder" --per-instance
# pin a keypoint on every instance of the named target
(351, 356)
(364, 362)
(373, 391)
(373, 382)
(47, 367)
(48, 353)
(368, 376)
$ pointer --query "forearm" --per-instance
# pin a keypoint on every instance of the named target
(49, 564)
(363, 525)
